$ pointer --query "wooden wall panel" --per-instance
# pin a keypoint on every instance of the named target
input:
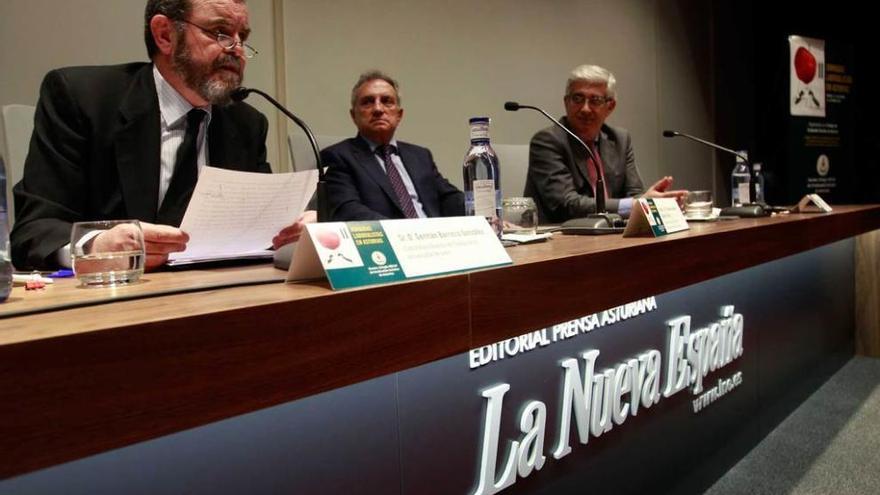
(868, 294)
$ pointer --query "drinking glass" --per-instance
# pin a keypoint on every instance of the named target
(107, 253)
(698, 204)
(520, 216)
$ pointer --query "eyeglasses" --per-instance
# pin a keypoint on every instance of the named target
(594, 101)
(227, 42)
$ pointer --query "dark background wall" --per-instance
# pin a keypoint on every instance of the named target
(751, 80)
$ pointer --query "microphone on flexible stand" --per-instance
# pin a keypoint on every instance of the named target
(284, 255)
(600, 222)
(752, 209)
(323, 209)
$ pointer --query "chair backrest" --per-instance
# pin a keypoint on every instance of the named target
(513, 160)
(18, 124)
(301, 155)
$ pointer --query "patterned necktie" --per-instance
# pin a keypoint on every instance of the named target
(186, 173)
(396, 181)
(591, 169)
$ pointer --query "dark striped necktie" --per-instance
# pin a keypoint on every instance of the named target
(186, 173)
(396, 181)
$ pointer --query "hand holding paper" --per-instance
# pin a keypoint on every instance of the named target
(241, 214)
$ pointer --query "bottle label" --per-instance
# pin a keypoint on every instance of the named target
(479, 133)
(484, 198)
(743, 192)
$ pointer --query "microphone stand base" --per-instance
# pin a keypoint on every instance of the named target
(751, 210)
(594, 224)
(283, 256)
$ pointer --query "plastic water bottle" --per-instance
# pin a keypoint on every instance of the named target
(759, 184)
(740, 180)
(482, 183)
(5, 261)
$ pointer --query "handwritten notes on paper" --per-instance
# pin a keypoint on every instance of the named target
(235, 214)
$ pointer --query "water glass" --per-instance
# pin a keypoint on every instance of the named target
(698, 204)
(107, 253)
(520, 216)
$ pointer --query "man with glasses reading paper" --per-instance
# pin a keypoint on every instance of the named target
(562, 178)
(128, 141)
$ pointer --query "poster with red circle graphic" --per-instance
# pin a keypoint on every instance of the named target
(807, 63)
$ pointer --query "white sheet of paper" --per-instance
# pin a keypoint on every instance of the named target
(235, 214)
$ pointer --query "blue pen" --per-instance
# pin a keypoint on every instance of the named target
(63, 273)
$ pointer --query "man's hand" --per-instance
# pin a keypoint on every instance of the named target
(160, 241)
(660, 189)
(292, 232)
(122, 237)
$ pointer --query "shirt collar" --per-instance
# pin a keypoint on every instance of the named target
(373, 145)
(172, 106)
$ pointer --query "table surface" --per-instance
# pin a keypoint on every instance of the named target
(93, 369)
(30, 315)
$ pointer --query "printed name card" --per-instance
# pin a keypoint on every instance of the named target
(356, 254)
(655, 216)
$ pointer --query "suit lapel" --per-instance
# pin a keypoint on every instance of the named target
(579, 155)
(608, 150)
(138, 147)
(367, 161)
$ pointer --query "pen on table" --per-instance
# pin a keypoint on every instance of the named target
(63, 273)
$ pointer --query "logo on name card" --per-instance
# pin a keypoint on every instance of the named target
(336, 247)
(379, 258)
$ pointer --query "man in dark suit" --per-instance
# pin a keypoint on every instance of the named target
(373, 176)
(561, 178)
(127, 141)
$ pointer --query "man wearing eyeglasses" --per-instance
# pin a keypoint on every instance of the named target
(128, 141)
(373, 176)
(561, 177)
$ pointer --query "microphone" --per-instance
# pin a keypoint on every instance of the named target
(601, 219)
(751, 209)
(670, 134)
(239, 94)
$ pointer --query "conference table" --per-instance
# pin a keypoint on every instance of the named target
(379, 388)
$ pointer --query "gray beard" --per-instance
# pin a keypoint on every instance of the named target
(215, 90)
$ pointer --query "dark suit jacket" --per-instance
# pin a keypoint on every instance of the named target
(94, 154)
(359, 189)
(558, 180)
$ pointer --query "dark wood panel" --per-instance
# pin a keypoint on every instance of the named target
(72, 396)
(82, 381)
(867, 266)
(612, 271)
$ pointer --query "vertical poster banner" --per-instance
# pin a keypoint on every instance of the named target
(821, 122)
(807, 66)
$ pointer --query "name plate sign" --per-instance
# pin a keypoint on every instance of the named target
(356, 254)
(812, 203)
(655, 216)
